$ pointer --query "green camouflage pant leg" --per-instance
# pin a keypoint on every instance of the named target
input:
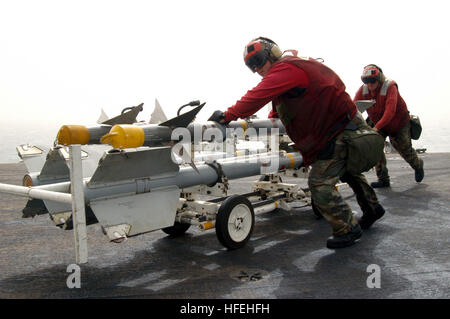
(381, 167)
(402, 143)
(365, 195)
(322, 181)
(382, 170)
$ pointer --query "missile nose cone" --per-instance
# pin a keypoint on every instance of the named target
(73, 134)
(124, 136)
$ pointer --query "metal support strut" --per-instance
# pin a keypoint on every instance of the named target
(76, 198)
(78, 211)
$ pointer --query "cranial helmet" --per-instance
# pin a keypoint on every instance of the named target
(259, 50)
(372, 73)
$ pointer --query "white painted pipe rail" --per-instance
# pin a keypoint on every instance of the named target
(36, 193)
(266, 208)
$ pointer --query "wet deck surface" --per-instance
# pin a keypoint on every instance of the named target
(285, 258)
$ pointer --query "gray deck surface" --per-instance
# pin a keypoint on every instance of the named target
(286, 253)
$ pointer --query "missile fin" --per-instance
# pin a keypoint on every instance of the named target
(128, 115)
(116, 167)
(133, 214)
(158, 115)
(185, 156)
(184, 119)
(192, 164)
(363, 105)
(55, 166)
(103, 117)
(32, 156)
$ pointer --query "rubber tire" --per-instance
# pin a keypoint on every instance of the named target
(176, 230)
(223, 216)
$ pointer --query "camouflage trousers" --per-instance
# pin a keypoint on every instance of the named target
(401, 141)
(325, 174)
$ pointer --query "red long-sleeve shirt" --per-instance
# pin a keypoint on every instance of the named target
(281, 78)
(312, 98)
(384, 116)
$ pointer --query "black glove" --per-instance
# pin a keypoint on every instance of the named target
(218, 116)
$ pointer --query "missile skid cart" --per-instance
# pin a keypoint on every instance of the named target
(132, 191)
(233, 217)
(135, 191)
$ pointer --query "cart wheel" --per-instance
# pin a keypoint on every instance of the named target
(316, 210)
(177, 229)
(235, 221)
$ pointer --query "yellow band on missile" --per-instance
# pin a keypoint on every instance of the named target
(73, 134)
(124, 136)
(292, 160)
(27, 181)
(244, 125)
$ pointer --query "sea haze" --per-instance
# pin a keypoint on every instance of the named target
(435, 139)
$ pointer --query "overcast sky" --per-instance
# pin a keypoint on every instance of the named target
(62, 61)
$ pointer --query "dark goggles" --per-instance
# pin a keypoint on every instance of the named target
(257, 60)
(369, 80)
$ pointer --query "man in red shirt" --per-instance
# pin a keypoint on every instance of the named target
(390, 116)
(311, 101)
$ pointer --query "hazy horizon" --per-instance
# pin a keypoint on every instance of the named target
(434, 139)
(61, 62)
